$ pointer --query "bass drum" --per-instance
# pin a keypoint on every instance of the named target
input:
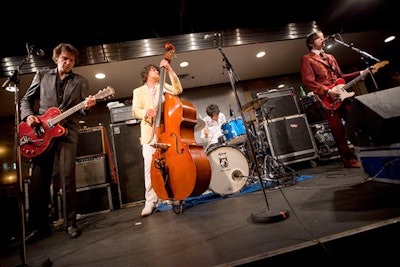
(229, 170)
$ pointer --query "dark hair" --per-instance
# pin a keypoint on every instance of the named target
(65, 47)
(212, 109)
(145, 72)
(311, 37)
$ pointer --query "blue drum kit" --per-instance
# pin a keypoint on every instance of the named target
(230, 167)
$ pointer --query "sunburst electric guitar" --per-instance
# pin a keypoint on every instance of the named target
(35, 140)
(340, 84)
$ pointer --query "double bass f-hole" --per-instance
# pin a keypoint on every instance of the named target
(176, 144)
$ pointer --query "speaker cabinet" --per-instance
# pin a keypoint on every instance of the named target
(281, 103)
(290, 139)
(91, 170)
(95, 198)
(128, 161)
(91, 141)
(311, 108)
(374, 118)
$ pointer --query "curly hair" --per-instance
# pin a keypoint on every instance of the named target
(145, 72)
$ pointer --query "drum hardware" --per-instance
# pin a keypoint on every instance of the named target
(274, 172)
(263, 216)
(254, 104)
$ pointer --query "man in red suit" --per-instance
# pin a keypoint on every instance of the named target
(320, 73)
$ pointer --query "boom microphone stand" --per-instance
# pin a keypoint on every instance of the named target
(268, 215)
(364, 55)
(12, 85)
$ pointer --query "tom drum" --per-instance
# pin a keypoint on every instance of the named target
(234, 131)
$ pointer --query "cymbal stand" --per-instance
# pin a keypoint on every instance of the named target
(260, 217)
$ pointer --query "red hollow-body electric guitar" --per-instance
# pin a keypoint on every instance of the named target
(340, 84)
(35, 140)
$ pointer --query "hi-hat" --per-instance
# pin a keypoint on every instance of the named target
(200, 125)
(254, 104)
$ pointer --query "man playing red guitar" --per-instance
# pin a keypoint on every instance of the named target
(320, 73)
(60, 88)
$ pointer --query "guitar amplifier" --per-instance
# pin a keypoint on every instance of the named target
(91, 170)
(92, 141)
(121, 114)
(281, 102)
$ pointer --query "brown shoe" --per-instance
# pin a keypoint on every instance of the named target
(351, 163)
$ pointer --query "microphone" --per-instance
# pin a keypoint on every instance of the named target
(33, 49)
(230, 111)
(212, 36)
(330, 37)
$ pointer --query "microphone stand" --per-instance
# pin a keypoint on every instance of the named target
(13, 83)
(268, 215)
(364, 55)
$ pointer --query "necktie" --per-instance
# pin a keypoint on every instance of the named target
(323, 56)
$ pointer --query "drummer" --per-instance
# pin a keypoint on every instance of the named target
(212, 134)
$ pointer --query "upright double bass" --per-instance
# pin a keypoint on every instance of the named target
(180, 167)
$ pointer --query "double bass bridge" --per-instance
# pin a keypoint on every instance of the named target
(163, 146)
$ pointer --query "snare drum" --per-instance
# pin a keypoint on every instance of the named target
(234, 131)
(229, 170)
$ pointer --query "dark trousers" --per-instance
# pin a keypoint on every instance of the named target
(334, 119)
(41, 179)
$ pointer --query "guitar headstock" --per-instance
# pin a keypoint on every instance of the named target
(381, 64)
(105, 93)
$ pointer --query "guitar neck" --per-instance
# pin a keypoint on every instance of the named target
(66, 114)
(354, 81)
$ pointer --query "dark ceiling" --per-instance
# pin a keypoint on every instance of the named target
(46, 25)
(110, 37)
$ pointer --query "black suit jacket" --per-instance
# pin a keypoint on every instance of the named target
(41, 95)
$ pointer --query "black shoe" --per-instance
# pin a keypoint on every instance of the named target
(73, 232)
(37, 235)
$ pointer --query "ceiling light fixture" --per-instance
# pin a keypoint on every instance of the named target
(184, 64)
(260, 54)
(100, 76)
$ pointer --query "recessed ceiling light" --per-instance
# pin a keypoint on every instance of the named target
(390, 38)
(100, 76)
(260, 54)
(184, 64)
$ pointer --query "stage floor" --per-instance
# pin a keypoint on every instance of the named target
(335, 216)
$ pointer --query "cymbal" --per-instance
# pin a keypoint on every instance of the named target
(254, 104)
(200, 125)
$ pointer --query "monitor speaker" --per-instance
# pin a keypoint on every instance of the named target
(374, 118)
(128, 161)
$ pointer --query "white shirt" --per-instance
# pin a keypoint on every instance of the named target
(214, 129)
